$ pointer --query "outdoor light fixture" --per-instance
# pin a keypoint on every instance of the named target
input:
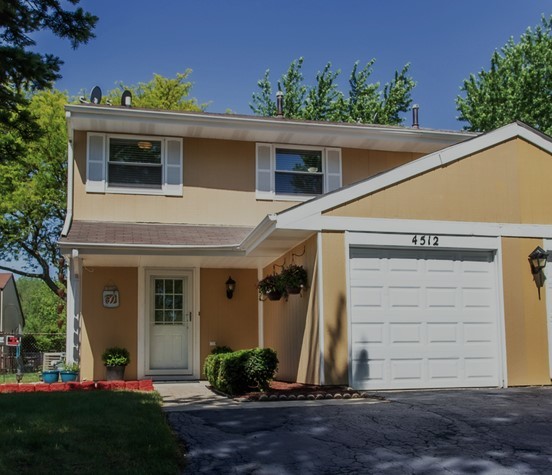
(230, 287)
(538, 259)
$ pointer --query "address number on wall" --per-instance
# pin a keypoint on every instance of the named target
(425, 240)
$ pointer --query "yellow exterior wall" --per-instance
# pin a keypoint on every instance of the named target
(525, 316)
(219, 186)
(291, 327)
(358, 164)
(336, 353)
(231, 322)
(105, 327)
(503, 184)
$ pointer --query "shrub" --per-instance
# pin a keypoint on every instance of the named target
(221, 349)
(240, 371)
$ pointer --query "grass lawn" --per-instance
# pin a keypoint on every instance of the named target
(27, 378)
(86, 432)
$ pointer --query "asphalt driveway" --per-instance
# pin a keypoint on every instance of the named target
(431, 432)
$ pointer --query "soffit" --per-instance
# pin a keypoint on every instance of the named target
(259, 129)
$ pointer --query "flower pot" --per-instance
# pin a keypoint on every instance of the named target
(50, 376)
(67, 376)
(115, 373)
(275, 295)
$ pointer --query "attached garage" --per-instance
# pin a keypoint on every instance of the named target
(423, 318)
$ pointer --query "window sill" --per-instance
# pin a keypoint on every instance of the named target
(274, 197)
(136, 191)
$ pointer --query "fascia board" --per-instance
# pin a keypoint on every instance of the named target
(260, 129)
(409, 170)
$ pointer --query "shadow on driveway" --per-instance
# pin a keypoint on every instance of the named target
(503, 431)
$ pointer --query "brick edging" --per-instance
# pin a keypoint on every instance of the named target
(141, 385)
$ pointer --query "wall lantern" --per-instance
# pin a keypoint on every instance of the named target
(538, 259)
(230, 287)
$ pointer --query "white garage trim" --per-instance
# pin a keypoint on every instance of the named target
(454, 243)
(548, 286)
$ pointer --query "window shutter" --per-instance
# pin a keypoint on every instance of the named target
(264, 171)
(333, 169)
(95, 163)
(173, 167)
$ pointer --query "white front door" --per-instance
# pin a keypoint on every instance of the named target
(170, 324)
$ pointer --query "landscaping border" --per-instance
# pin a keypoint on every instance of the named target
(142, 385)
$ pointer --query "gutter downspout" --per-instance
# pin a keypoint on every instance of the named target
(70, 166)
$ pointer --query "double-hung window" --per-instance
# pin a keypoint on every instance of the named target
(296, 172)
(128, 164)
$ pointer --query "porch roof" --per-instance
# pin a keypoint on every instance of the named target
(103, 234)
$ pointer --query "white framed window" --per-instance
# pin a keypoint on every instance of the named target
(297, 173)
(134, 164)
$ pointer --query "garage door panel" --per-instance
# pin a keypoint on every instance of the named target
(423, 319)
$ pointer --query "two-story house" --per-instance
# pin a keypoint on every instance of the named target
(415, 244)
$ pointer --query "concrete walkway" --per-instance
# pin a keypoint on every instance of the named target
(190, 395)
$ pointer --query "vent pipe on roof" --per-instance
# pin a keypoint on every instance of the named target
(415, 110)
(280, 104)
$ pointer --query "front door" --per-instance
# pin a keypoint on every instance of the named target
(170, 324)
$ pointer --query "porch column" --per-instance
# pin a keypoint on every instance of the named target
(72, 341)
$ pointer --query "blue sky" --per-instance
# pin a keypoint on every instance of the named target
(229, 44)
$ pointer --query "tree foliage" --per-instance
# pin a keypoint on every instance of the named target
(365, 102)
(23, 70)
(40, 307)
(33, 189)
(160, 93)
(518, 85)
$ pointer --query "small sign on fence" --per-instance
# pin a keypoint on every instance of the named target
(10, 340)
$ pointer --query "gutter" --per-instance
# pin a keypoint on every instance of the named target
(259, 234)
(70, 166)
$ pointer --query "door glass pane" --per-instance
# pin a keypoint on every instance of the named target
(159, 316)
(159, 302)
(178, 302)
(169, 286)
(178, 315)
(178, 286)
(169, 299)
(158, 286)
(168, 302)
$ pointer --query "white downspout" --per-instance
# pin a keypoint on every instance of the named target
(70, 167)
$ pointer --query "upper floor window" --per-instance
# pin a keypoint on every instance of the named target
(296, 173)
(123, 164)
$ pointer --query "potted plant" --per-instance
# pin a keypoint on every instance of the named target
(115, 360)
(272, 286)
(69, 372)
(295, 278)
(50, 376)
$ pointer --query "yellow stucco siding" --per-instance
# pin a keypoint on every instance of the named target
(336, 353)
(495, 185)
(106, 327)
(525, 316)
(230, 322)
(291, 326)
(219, 186)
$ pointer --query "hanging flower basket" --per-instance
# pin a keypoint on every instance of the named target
(271, 287)
(295, 278)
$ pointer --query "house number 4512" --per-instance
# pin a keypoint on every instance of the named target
(425, 240)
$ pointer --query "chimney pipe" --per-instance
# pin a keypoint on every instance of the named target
(415, 123)
(280, 104)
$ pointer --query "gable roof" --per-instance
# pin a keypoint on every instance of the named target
(301, 220)
(411, 169)
(5, 277)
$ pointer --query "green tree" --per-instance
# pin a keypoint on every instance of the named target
(40, 308)
(160, 93)
(33, 189)
(365, 102)
(23, 70)
(518, 85)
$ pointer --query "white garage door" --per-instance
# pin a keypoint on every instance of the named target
(423, 319)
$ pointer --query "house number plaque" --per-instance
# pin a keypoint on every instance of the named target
(426, 240)
(111, 298)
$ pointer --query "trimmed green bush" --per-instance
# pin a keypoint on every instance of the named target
(241, 371)
(221, 349)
